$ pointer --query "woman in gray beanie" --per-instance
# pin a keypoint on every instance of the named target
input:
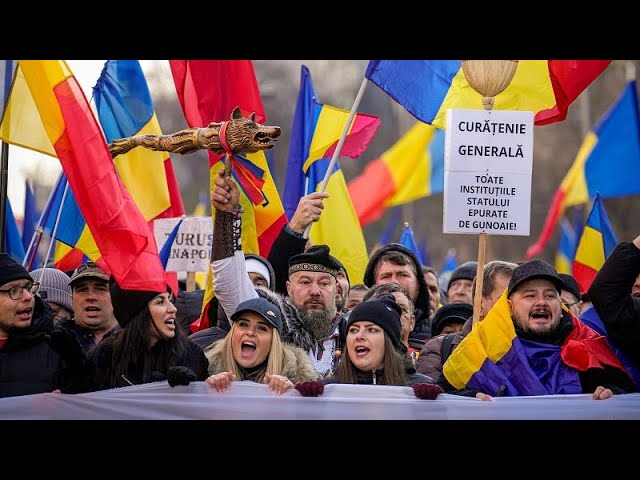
(55, 290)
(149, 347)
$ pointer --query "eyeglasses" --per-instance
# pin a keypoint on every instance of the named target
(17, 292)
(572, 304)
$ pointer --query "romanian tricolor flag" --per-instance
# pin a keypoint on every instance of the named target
(315, 133)
(124, 106)
(494, 360)
(63, 221)
(208, 91)
(412, 168)
(48, 112)
(608, 162)
(596, 243)
(428, 88)
(567, 245)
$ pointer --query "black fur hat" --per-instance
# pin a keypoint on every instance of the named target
(315, 259)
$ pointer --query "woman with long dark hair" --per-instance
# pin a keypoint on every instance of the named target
(373, 355)
(150, 346)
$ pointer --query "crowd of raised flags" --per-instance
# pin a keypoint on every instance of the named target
(116, 199)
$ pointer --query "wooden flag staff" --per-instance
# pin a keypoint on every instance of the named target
(488, 78)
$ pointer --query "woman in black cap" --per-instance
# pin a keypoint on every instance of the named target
(253, 350)
(150, 347)
(373, 354)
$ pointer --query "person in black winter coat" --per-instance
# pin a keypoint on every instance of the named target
(615, 294)
(28, 363)
(150, 347)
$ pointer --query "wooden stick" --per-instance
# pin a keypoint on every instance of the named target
(191, 281)
(477, 298)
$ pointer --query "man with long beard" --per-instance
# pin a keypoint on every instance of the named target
(312, 323)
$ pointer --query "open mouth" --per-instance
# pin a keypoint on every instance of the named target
(361, 351)
(248, 347)
(25, 313)
(541, 315)
(266, 140)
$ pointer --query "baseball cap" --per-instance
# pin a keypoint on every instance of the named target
(264, 308)
(88, 269)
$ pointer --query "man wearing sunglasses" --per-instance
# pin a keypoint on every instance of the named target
(28, 364)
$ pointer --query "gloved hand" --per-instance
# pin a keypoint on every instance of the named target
(310, 389)
(65, 343)
(179, 375)
(427, 391)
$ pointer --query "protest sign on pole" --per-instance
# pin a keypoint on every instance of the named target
(191, 249)
(488, 168)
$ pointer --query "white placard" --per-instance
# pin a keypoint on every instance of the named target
(480, 203)
(191, 249)
(488, 167)
(497, 141)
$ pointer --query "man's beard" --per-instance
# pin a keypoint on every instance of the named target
(318, 322)
(549, 335)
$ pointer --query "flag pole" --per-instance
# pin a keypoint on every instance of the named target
(4, 166)
(39, 230)
(488, 78)
(55, 225)
(336, 153)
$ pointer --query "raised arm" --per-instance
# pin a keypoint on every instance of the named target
(291, 239)
(611, 296)
(231, 282)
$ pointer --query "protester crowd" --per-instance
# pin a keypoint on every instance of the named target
(293, 321)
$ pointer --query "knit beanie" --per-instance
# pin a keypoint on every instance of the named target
(466, 271)
(54, 286)
(450, 313)
(384, 312)
(11, 270)
(256, 266)
(126, 303)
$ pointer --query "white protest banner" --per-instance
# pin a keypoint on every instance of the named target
(191, 248)
(488, 167)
